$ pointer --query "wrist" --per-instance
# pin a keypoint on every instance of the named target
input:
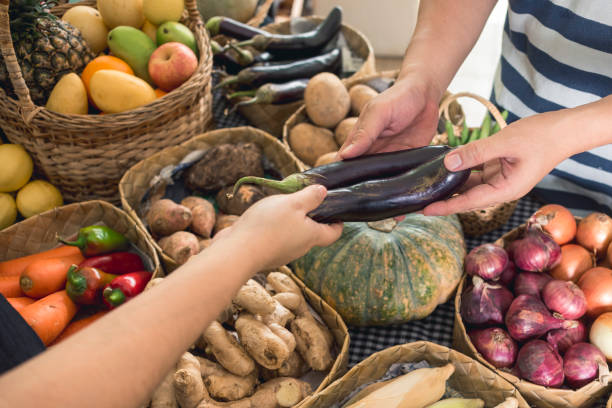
(237, 253)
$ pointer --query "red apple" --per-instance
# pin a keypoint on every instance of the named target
(171, 64)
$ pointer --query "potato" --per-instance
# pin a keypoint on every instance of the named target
(344, 129)
(203, 214)
(327, 100)
(224, 221)
(326, 159)
(245, 197)
(204, 243)
(166, 217)
(180, 246)
(311, 142)
(360, 95)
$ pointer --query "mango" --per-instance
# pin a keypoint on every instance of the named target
(241, 10)
(134, 47)
(172, 31)
(160, 11)
(149, 29)
(121, 12)
(115, 91)
(69, 96)
(91, 25)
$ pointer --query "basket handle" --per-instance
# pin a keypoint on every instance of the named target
(262, 11)
(26, 106)
(444, 105)
(192, 9)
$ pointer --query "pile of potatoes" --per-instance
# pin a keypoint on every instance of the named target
(254, 354)
(333, 111)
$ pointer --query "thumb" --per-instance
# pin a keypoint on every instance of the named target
(370, 124)
(473, 154)
(328, 233)
(310, 197)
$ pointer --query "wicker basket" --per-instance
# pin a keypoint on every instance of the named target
(471, 379)
(477, 222)
(38, 233)
(86, 155)
(537, 395)
(137, 180)
(270, 117)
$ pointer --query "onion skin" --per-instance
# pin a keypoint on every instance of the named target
(609, 255)
(528, 317)
(508, 275)
(575, 260)
(539, 363)
(495, 345)
(565, 298)
(487, 261)
(583, 363)
(595, 233)
(557, 221)
(530, 283)
(563, 339)
(536, 251)
(485, 303)
(596, 283)
(601, 334)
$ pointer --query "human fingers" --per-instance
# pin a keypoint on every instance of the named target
(475, 153)
(328, 233)
(309, 198)
(480, 196)
(369, 126)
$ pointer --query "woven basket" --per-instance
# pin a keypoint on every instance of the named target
(86, 155)
(270, 117)
(537, 395)
(471, 379)
(136, 181)
(38, 233)
(477, 222)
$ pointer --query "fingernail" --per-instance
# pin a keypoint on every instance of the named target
(346, 148)
(453, 161)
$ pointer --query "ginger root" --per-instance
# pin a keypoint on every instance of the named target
(228, 352)
(163, 396)
(284, 334)
(255, 299)
(313, 342)
(294, 366)
(188, 385)
(281, 315)
(260, 342)
(223, 385)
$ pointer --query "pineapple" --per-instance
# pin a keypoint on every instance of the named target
(47, 48)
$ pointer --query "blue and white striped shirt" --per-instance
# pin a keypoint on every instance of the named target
(558, 54)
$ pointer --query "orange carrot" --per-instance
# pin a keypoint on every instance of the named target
(20, 302)
(45, 276)
(9, 286)
(50, 315)
(78, 325)
(14, 267)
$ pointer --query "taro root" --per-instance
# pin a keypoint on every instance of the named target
(245, 197)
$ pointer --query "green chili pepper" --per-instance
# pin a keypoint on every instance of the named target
(497, 128)
(97, 240)
(485, 129)
(465, 133)
(474, 135)
(450, 132)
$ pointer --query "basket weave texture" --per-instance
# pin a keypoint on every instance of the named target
(471, 379)
(537, 395)
(86, 155)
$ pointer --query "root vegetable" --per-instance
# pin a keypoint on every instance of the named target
(284, 334)
(203, 213)
(509, 402)
(344, 129)
(204, 243)
(326, 159)
(360, 95)
(261, 343)
(224, 221)
(281, 283)
(221, 384)
(255, 299)
(313, 342)
(180, 246)
(246, 196)
(290, 300)
(188, 384)
(228, 352)
(310, 142)
(294, 366)
(281, 315)
(166, 217)
(327, 100)
(163, 396)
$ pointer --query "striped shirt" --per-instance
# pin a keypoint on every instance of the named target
(558, 54)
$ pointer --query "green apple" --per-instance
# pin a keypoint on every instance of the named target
(171, 31)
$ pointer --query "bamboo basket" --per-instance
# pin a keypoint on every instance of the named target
(86, 155)
(39, 233)
(270, 117)
(477, 222)
(137, 179)
(537, 395)
(471, 379)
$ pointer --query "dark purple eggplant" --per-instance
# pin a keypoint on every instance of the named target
(376, 200)
(350, 171)
(233, 59)
(232, 28)
(305, 68)
(273, 93)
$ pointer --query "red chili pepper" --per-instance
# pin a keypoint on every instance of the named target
(84, 285)
(116, 262)
(124, 287)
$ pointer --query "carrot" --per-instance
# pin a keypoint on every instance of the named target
(9, 286)
(50, 315)
(45, 276)
(20, 302)
(78, 325)
(14, 267)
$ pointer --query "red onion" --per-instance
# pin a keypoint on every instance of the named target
(508, 275)
(530, 283)
(495, 345)
(485, 303)
(536, 251)
(528, 317)
(487, 261)
(564, 297)
(539, 363)
(582, 363)
(562, 339)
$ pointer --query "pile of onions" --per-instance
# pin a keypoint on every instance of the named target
(601, 334)
(596, 284)
(557, 221)
(485, 303)
(487, 261)
(565, 298)
(539, 363)
(583, 363)
(575, 260)
(495, 345)
(530, 283)
(563, 339)
(536, 251)
(528, 317)
(594, 232)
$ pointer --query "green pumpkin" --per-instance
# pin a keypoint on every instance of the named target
(387, 272)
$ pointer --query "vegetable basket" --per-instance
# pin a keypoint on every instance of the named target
(39, 233)
(136, 182)
(537, 395)
(471, 379)
(86, 155)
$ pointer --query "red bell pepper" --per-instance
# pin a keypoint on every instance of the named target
(124, 287)
(117, 263)
(85, 285)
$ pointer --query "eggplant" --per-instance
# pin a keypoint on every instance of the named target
(273, 93)
(376, 200)
(232, 28)
(348, 172)
(305, 68)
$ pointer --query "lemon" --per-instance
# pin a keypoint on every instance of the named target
(8, 210)
(15, 167)
(38, 196)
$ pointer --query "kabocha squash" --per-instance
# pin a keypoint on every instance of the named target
(387, 272)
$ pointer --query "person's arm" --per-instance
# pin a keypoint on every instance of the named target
(120, 359)
(519, 156)
(406, 115)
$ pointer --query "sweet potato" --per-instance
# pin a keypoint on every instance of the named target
(166, 217)
(224, 221)
(360, 95)
(327, 100)
(246, 196)
(327, 158)
(344, 129)
(310, 142)
(203, 213)
(180, 246)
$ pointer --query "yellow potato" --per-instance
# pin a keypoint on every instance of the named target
(326, 159)
(121, 12)
(343, 129)
(360, 95)
(310, 142)
(91, 25)
(115, 91)
(327, 100)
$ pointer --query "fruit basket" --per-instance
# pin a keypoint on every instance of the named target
(86, 155)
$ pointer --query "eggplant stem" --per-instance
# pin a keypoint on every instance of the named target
(239, 94)
(290, 184)
(228, 81)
